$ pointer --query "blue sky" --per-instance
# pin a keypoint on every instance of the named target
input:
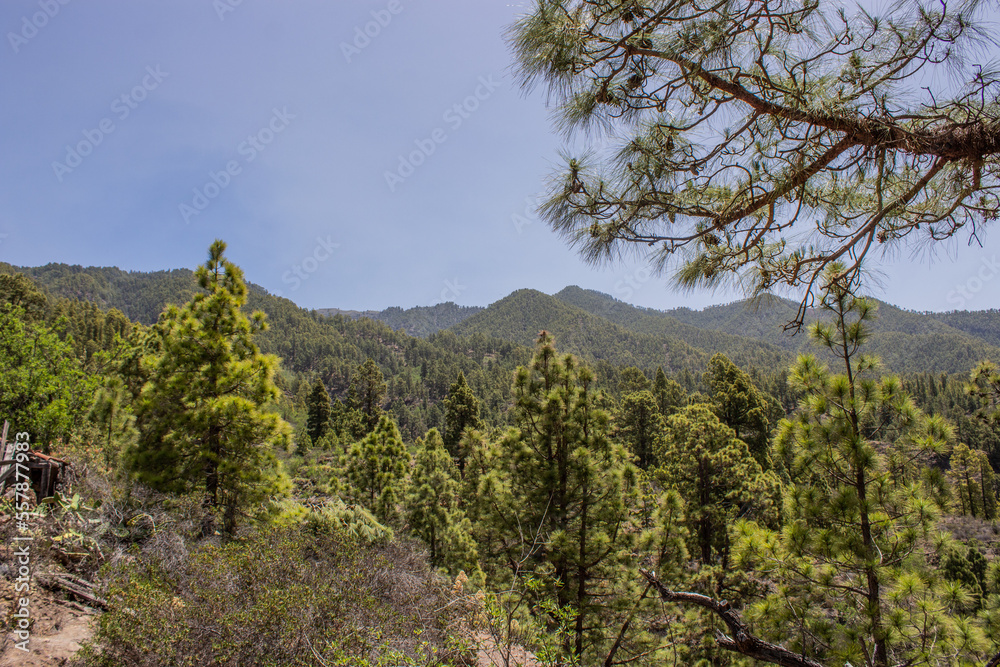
(134, 133)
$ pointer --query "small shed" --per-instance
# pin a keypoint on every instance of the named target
(44, 472)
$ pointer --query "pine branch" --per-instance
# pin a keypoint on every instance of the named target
(742, 640)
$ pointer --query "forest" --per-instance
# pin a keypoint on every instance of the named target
(803, 477)
(552, 480)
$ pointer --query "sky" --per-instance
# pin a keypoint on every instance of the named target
(352, 154)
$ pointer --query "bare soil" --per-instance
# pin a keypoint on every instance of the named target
(56, 635)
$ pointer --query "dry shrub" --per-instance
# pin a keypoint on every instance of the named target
(287, 596)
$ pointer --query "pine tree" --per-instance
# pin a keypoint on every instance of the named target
(640, 426)
(670, 396)
(318, 412)
(347, 423)
(973, 482)
(631, 380)
(461, 411)
(200, 415)
(432, 506)
(848, 563)
(375, 469)
(713, 471)
(878, 132)
(560, 496)
(742, 406)
(367, 393)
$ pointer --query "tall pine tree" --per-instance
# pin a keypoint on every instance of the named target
(461, 411)
(848, 570)
(670, 396)
(561, 494)
(367, 393)
(318, 411)
(432, 506)
(742, 406)
(376, 467)
(640, 426)
(200, 416)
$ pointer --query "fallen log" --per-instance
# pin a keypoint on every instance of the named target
(80, 588)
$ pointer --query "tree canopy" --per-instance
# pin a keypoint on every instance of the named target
(763, 142)
(200, 415)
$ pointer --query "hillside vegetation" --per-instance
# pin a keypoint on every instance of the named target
(558, 477)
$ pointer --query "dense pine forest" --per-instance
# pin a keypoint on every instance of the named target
(550, 480)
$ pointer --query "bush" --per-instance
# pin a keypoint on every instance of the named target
(285, 596)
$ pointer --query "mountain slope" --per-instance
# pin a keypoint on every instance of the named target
(520, 316)
(905, 341)
(420, 321)
(418, 371)
(983, 324)
(742, 350)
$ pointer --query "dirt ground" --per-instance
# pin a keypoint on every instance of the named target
(56, 636)
(489, 655)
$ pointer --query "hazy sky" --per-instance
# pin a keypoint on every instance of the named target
(134, 133)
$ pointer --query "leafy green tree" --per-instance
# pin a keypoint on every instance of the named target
(200, 415)
(19, 291)
(741, 405)
(640, 426)
(715, 474)
(561, 493)
(848, 563)
(670, 396)
(376, 467)
(762, 145)
(367, 393)
(318, 411)
(43, 390)
(432, 506)
(461, 411)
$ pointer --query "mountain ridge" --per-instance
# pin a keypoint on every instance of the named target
(594, 325)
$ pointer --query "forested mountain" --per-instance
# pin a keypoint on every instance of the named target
(983, 324)
(421, 321)
(591, 324)
(139, 295)
(520, 316)
(649, 442)
(418, 371)
(905, 341)
(743, 350)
